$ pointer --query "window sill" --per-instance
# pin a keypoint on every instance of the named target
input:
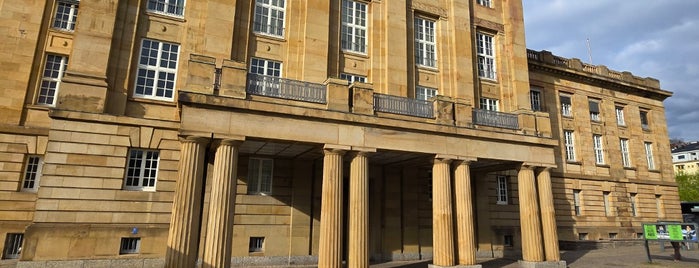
(489, 80)
(501, 203)
(357, 54)
(629, 168)
(602, 165)
(272, 37)
(573, 162)
(165, 15)
(427, 67)
(596, 122)
(654, 170)
(566, 116)
(153, 101)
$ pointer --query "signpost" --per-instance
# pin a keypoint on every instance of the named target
(669, 231)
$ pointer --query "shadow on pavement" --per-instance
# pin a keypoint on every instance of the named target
(573, 255)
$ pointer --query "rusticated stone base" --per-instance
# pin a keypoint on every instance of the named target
(136, 263)
(543, 264)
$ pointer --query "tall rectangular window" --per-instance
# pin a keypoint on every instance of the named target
(157, 70)
(620, 115)
(142, 170)
(577, 202)
(13, 246)
(566, 106)
(486, 3)
(354, 26)
(269, 17)
(260, 174)
(268, 72)
(486, 56)
(54, 69)
(424, 93)
(569, 140)
(649, 155)
(594, 110)
(502, 190)
(607, 207)
(489, 104)
(535, 99)
(599, 149)
(644, 120)
(425, 42)
(32, 173)
(169, 7)
(634, 209)
(625, 157)
(353, 78)
(66, 15)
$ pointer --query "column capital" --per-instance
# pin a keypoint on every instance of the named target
(194, 139)
(336, 149)
(544, 169)
(527, 166)
(232, 142)
(462, 160)
(444, 158)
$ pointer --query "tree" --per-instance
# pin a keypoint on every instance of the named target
(688, 186)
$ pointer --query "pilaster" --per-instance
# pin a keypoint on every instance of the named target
(330, 244)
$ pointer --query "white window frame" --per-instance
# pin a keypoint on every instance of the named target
(485, 3)
(138, 163)
(52, 77)
(566, 108)
(634, 208)
(425, 42)
(489, 104)
(65, 15)
(625, 156)
(620, 120)
(607, 203)
(353, 78)
(354, 26)
(569, 142)
(425, 93)
(594, 115)
(598, 147)
(577, 202)
(502, 197)
(487, 67)
(271, 71)
(260, 183)
(13, 246)
(32, 173)
(535, 99)
(269, 17)
(151, 70)
(130, 245)
(649, 155)
(168, 7)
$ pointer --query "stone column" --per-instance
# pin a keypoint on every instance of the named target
(548, 216)
(359, 212)
(532, 250)
(442, 218)
(219, 230)
(464, 214)
(330, 242)
(183, 236)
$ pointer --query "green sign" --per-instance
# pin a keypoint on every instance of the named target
(649, 232)
(675, 231)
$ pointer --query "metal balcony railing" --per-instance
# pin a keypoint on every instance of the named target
(402, 105)
(495, 119)
(286, 88)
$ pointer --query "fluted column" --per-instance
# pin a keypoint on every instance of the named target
(532, 250)
(464, 214)
(548, 216)
(183, 236)
(330, 244)
(442, 218)
(219, 230)
(359, 212)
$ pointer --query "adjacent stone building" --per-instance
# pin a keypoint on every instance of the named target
(180, 133)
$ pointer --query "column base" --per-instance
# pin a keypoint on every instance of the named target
(455, 266)
(542, 264)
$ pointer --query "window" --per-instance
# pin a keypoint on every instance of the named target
(644, 120)
(170, 7)
(625, 158)
(535, 98)
(130, 245)
(270, 71)
(594, 110)
(157, 70)
(269, 17)
(566, 106)
(681, 157)
(577, 202)
(142, 170)
(569, 140)
(607, 208)
(32, 173)
(424, 93)
(508, 241)
(582, 236)
(425, 43)
(256, 244)
(634, 209)
(13, 246)
(620, 116)
(680, 167)
(354, 26)
(659, 206)
(66, 15)
(489, 104)
(54, 69)
(260, 176)
(486, 56)
(599, 149)
(502, 190)
(486, 3)
(649, 155)
(613, 235)
(353, 78)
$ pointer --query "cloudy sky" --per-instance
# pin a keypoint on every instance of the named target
(655, 38)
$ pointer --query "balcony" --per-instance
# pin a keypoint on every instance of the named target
(277, 87)
(495, 119)
(402, 105)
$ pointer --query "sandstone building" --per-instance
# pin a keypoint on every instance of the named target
(179, 133)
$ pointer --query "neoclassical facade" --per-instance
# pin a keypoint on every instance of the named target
(171, 133)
